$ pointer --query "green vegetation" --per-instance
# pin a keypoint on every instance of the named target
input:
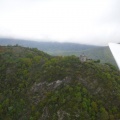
(37, 86)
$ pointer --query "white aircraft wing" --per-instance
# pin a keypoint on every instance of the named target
(115, 49)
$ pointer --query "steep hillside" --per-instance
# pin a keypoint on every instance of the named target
(37, 86)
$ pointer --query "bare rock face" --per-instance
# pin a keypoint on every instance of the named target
(62, 114)
(40, 89)
(39, 86)
(49, 86)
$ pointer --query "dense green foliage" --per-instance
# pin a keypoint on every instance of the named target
(37, 86)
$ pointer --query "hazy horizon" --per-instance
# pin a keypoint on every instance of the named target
(47, 41)
(85, 22)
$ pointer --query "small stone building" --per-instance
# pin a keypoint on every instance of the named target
(83, 58)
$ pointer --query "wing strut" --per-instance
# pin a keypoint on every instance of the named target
(115, 49)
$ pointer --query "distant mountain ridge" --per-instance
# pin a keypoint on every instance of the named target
(46, 46)
(65, 49)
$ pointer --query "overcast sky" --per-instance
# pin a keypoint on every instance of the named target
(80, 21)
